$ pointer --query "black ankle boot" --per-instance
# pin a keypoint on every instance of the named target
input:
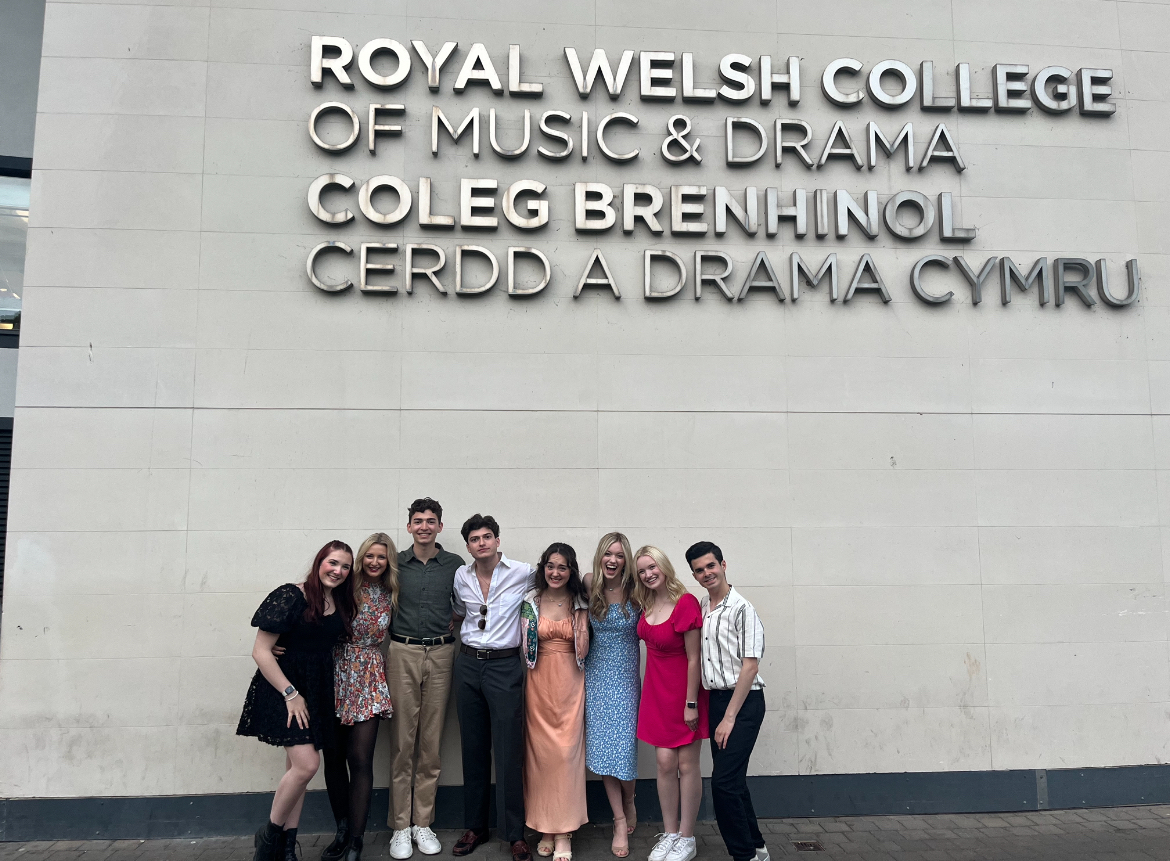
(290, 845)
(335, 851)
(355, 849)
(269, 842)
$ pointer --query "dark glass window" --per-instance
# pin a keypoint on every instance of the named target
(14, 192)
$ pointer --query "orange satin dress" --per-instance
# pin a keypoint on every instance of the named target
(554, 756)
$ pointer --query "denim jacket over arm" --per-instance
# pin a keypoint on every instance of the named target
(530, 623)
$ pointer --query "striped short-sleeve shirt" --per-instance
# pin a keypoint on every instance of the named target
(732, 631)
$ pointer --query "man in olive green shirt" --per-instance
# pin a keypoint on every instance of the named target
(418, 671)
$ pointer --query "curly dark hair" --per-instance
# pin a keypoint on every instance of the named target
(576, 585)
(424, 504)
(480, 521)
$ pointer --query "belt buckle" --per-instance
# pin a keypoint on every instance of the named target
(482, 654)
(427, 642)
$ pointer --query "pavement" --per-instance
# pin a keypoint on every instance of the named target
(1108, 834)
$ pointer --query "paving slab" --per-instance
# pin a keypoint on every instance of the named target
(1116, 834)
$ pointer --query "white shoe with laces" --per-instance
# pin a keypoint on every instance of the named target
(400, 844)
(428, 843)
(663, 846)
(684, 849)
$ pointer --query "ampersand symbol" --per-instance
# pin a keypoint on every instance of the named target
(679, 127)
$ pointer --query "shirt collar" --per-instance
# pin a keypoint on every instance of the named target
(410, 552)
(505, 563)
(732, 597)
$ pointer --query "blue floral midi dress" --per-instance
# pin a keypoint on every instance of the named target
(613, 688)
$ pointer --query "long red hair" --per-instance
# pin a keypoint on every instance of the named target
(315, 592)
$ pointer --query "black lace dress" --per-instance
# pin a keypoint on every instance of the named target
(308, 663)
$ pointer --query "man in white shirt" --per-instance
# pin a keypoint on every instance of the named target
(489, 683)
(731, 648)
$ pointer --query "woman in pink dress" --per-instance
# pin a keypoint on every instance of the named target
(554, 628)
(673, 712)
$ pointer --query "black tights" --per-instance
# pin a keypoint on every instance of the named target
(350, 788)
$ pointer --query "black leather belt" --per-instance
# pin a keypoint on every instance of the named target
(489, 654)
(424, 641)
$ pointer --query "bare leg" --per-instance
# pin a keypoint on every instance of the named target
(294, 818)
(691, 786)
(615, 792)
(628, 805)
(668, 787)
(302, 761)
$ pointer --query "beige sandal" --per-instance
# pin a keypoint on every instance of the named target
(545, 848)
(564, 854)
(620, 850)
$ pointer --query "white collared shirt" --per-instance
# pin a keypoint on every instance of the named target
(511, 581)
(732, 631)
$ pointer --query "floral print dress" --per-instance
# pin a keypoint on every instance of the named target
(359, 669)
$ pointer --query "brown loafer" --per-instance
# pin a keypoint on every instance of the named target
(466, 844)
(520, 851)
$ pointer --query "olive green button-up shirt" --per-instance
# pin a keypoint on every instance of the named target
(424, 594)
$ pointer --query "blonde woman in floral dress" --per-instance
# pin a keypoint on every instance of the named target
(361, 695)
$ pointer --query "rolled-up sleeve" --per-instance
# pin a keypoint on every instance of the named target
(751, 634)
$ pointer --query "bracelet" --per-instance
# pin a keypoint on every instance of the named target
(292, 696)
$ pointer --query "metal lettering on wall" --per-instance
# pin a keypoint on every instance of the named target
(690, 209)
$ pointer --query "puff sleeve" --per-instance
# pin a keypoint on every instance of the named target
(687, 616)
(280, 611)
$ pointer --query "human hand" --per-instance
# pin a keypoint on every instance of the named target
(691, 718)
(277, 651)
(297, 708)
(723, 731)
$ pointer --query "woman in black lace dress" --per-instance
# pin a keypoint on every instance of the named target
(290, 701)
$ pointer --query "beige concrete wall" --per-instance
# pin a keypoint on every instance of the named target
(950, 519)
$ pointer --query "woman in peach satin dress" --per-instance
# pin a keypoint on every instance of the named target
(555, 628)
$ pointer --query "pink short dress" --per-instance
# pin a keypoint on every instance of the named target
(664, 691)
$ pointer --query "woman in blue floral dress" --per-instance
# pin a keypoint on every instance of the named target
(613, 684)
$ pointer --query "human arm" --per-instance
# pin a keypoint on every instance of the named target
(747, 677)
(691, 641)
(458, 608)
(262, 654)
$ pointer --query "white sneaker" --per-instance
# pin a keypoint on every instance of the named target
(663, 846)
(400, 844)
(762, 854)
(683, 850)
(428, 843)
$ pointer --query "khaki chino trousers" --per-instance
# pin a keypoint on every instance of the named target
(419, 678)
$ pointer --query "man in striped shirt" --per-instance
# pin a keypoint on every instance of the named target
(732, 645)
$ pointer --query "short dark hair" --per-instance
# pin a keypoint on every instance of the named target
(480, 521)
(701, 548)
(424, 504)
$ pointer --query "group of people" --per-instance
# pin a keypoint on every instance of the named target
(545, 663)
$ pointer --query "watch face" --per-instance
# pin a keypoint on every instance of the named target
(289, 690)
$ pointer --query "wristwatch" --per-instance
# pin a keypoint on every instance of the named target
(694, 706)
(289, 692)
